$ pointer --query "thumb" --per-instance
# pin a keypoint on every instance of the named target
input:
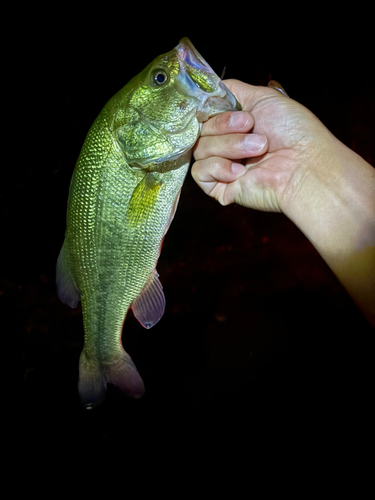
(247, 95)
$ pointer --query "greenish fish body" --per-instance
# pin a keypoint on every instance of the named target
(122, 198)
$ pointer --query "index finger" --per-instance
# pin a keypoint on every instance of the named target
(228, 123)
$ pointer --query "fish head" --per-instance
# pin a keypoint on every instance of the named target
(166, 104)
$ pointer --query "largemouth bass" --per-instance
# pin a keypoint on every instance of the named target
(122, 199)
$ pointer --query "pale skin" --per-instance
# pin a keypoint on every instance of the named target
(277, 156)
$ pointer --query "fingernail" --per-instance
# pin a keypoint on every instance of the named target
(238, 120)
(253, 142)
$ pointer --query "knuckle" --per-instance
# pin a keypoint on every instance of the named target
(195, 169)
(223, 122)
(217, 125)
(197, 150)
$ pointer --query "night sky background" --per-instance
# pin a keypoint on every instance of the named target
(260, 351)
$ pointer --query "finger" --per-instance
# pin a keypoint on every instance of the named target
(214, 174)
(273, 84)
(246, 94)
(233, 146)
(227, 123)
(217, 169)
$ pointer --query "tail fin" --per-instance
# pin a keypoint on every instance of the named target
(94, 376)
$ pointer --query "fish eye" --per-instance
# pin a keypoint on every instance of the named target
(160, 77)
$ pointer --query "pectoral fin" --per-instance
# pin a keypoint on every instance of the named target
(150, 305)
(143, 200)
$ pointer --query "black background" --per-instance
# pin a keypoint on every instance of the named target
(260, 348)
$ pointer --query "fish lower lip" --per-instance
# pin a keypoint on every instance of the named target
(217, 103)
(189, 55)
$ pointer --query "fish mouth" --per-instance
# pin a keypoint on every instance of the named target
(189, 54)
(200, 81)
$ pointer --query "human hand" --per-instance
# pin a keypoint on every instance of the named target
(259, 169)
(300, 169)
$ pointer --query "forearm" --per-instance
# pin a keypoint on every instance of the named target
(335, 208)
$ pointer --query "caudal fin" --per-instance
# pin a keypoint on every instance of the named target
(94, 376)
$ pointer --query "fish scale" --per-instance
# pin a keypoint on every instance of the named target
(122, 199)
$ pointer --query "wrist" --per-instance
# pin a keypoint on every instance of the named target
(333, 204)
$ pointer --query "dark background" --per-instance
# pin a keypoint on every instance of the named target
(260, 348)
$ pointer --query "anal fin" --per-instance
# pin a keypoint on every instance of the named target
(149, 307)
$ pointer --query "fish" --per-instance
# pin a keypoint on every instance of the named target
(122, 198)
